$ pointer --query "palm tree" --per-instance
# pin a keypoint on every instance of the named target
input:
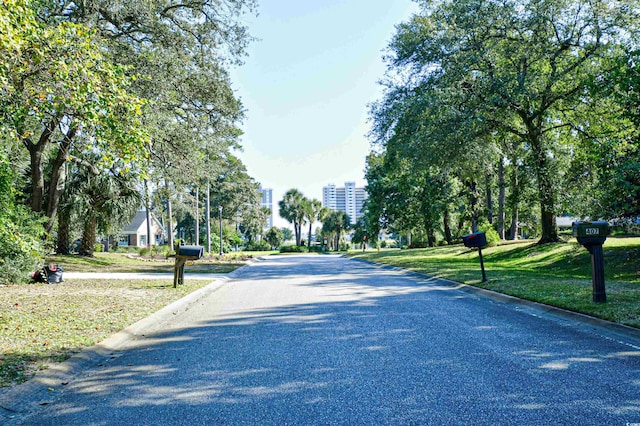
(292, 209)
(101, 199)
(334, 224)
(313, 211)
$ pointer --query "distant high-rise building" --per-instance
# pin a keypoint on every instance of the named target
(329, 197)
(348, 199)
(266, 200)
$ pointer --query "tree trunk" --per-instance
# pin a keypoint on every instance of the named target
(299, 234)
(431, 237)
(88, 235)
(197, 218)
(170, 216)
(147, 202)
(547, 201)
(546, 193)
(58, 177)
(514, 200)
(208, 216)
(35, 156)
(37, 179)
(460, 230)
(149, 232)
(446, 222)
(514, 225)
(63, 245)
(489, 198)
(473, 202)
(501, 198)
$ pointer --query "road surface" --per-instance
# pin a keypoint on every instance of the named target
(324, 340)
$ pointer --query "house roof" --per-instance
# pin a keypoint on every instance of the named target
(138, 220)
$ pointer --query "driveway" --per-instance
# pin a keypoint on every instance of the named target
(305, 340)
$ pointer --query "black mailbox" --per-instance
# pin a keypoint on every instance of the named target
(183, 254)
(592, 235)
(192, 252)
(477, 239)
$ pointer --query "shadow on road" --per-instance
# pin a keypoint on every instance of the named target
(360, 350)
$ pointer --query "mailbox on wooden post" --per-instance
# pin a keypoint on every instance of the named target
(592, 235)
(479, 240)
(184, 254)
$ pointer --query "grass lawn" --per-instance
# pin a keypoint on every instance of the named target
(43, 323)
(126, 262)
(553, 274)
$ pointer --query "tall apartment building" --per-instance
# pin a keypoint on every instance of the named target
(348, 199)
(266, 200)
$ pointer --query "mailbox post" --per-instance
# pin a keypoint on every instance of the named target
(184, 254)
(479, 240)
(592, 235)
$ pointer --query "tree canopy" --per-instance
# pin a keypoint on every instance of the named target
(140, 88)
(500, 90)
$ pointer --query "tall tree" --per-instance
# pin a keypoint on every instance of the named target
(334, 224)
(62, 93)
(292, 209)
(313, 211)
(517, 65)
(103, 200)
(274, 237)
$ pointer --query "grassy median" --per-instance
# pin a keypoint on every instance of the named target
(553, 274)
(44, 323)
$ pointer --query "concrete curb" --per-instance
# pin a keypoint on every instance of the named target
(607, 329)
(46, 386)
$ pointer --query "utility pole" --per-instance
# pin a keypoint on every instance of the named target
(208, 210)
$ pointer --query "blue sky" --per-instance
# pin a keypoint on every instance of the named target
(306, 85)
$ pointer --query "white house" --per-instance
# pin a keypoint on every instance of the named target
(135, 234)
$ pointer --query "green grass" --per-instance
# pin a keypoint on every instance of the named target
(44, 323)
(553, 274)
(123, 262)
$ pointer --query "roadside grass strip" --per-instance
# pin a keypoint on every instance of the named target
(554, 274)
(44, 323)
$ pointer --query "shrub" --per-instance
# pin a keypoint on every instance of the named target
(155, 251)
(21, 231)
(493, 238)
(293, 249)
(317, 248)
(143, 251)
(259, 246)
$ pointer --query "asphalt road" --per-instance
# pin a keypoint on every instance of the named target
(311, 340)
